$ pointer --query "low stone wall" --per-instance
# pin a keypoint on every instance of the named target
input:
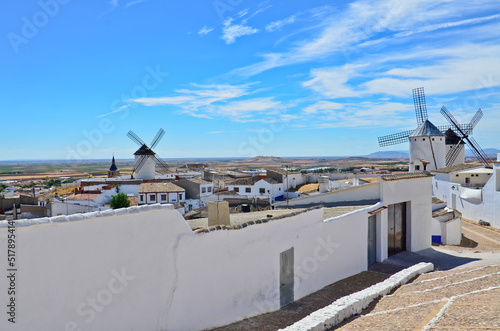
(347, 306)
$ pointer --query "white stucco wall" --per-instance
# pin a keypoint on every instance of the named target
(488, 209)
(420, 148)
(364, 192)
(149, 271)
(417, 192)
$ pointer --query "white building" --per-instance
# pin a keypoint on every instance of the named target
(258, 188)
(471, 189)
(197, 191)
(152, 193)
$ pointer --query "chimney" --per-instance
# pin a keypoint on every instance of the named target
(218, 213)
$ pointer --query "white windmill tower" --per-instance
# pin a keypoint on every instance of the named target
(145, 158)
(427, 142)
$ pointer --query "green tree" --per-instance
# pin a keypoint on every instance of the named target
(119, 201)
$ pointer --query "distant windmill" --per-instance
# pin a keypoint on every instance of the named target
(421, 114)
(146, 159)
(464, 137)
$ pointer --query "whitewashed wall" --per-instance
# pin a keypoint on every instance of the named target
(417, 192)
(364, 192)
(149, 271)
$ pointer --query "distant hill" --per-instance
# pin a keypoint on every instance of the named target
(268, 160)
(492, 152)
(388, 155)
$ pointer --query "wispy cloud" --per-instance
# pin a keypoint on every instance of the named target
(277, 25)
(133, 3)
(211, 101)
(118, 110)
(366, 20)
(205, 30)
(232, 31)
(215, 132)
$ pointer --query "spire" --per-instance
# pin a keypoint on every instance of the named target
(113, 164)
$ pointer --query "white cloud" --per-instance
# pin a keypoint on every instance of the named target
(205, 30)
(242, 13)
(365, 114)
(365, 20)
(215, 132)
(277, 25)
(443, 71)
(209, 101)
(322, 106)
(230, 32)
(132, 3)
(119, 109)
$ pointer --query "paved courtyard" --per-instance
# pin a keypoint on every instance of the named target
(462, 294)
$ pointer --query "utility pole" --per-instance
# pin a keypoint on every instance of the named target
(286, 171)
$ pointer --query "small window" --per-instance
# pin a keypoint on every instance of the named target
(180, 196)
(440, 139)
(417, 167)
(163, 197)
(262, 190)
(248, 189)
(141, 198)
(236, 189)
(209, 189)
(203, 190)
(152, 197)
(423, 139)
(432, 139)
(415, 139)
(279, 188)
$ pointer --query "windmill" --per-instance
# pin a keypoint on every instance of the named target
(146, 159)
(464, 137)
(421, 114)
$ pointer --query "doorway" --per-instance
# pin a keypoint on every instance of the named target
(396, 240)
(372, 240)
(286, 277)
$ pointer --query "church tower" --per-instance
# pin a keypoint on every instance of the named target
(113, 170)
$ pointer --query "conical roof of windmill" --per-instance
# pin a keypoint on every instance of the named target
(427, 129)
(144, 150)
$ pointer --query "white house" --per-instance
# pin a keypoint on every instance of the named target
(197, 191)
(152, 193)
(290, 179)
(258, 188)
(471, 189)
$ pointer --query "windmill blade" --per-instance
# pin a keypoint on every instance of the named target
(135, 138)
(449, 117)
(463, 127)
(420, 105)
(475, 119)
(157, 138)
(453, 153)
(161, 163)
(140, 163)
(476, 149)
(394, 139)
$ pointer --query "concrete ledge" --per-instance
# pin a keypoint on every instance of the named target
(86, 216)
(352, 304)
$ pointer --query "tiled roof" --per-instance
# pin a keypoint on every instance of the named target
(83, 197)
(426, 129)
(409, 175)
(437, 200)
(458, 167)
(251, 181)
(159, 188)
(198, 180)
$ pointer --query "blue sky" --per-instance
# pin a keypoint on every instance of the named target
(239, 78)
